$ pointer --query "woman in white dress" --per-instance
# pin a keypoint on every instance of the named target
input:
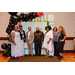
(16, 49)
(48, 40)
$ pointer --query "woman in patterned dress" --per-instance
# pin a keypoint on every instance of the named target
(16, 50)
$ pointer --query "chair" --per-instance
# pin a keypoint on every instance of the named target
(74, 45)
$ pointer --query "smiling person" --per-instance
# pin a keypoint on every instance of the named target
(48, 40)
(16, 50)
(22, 36)
(61, 41)
(38, 40)
(55, 40)
(29, 41)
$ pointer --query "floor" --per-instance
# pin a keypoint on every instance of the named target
(68, 57)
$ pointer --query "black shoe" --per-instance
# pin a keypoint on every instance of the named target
(60, 57)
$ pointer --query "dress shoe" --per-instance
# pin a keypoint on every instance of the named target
(60, 57)
(15, 57)
(28, 54)
(19, 57)
(31, 55)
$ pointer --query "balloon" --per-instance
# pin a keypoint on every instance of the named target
(9, 38)
(10, 22)
(4, 46)
(40, 14)
(8, 31)
(13, 13)
(4, 54)
(35, 15)
(9, 47)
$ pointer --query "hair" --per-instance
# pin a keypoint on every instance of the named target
(56, 29)
(20, 26)
(15, 26)
(48, 27)
(62, 29)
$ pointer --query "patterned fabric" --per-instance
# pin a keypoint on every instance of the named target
(16, 50)
(22, 44)
(55, 36)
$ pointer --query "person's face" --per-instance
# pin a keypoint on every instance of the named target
(54, 29)
(16, 29)
(29, 28)
(20, 28)
(37, 29)
(47, 29)
(60, 29)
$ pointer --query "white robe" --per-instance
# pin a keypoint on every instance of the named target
(47, 36)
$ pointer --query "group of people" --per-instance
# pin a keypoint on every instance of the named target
(56, 38)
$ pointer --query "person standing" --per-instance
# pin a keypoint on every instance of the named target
(48, 40)
(29, 41)
(55, 41)
(22, 36)
(61, 41)
(16, 50)
(38, 40)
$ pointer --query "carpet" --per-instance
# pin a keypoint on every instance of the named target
(34, 59)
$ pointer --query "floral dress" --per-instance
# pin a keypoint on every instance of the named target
(16, 50)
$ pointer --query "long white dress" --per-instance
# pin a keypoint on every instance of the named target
(16, 50)
(49, 46)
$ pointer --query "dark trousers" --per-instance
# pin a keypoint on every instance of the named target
(38, 46)
(60, 46)
(56, 52)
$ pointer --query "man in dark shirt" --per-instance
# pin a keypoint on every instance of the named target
(38, 40)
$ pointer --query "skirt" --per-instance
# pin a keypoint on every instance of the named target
(60, 46)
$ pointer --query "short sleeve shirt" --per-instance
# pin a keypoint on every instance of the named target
(61, 36)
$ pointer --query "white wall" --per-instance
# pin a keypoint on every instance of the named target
(4, 21)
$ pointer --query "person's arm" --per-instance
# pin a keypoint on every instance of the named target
(49, 40)
(12, 37)
(63, 38)
(42, 37)
(32, 38)
(51, 37)
(53, 41)
(24, 36)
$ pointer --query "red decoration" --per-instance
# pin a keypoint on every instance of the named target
(40, 14)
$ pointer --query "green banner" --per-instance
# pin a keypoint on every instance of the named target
(47, 23)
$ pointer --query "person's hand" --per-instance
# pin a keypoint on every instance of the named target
(53, 43)
(30, 42)
(48, 42)
(14, 43)
(42, 41)
(61, 40)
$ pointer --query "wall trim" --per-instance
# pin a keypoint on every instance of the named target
(70, 38)
(1, 51)
(3, 38)
(6, 38)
